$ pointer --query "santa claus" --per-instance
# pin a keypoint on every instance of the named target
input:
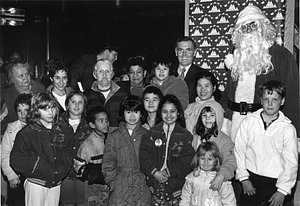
(257, 58)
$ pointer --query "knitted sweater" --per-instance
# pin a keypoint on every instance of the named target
(175, 86)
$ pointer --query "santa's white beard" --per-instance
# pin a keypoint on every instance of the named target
(252, 55)
(250, 58)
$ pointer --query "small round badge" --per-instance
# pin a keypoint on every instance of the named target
(158, 142)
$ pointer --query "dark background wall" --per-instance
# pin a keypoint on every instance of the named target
(78, 27)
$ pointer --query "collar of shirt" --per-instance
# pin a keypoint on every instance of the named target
(186, 69)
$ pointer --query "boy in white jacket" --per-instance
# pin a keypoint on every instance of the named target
(266, 150)
(15, 189)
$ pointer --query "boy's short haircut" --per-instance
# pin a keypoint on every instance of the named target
(152, 90)
(272, 85)
(22, 99)
(91, 115)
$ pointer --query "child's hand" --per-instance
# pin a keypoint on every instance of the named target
(248, 187)
(160, 176)
(14, 183)
(79, 163)
(78, 166)
(216, 183)
(277, 199)
(196, 172)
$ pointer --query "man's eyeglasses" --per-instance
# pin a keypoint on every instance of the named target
(102, 72)
(248, 28)
(187, 51)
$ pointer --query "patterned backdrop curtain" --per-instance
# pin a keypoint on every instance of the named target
(210, 23)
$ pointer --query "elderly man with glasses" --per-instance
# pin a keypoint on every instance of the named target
(105, 92)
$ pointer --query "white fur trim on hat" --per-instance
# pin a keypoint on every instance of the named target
(250, 13)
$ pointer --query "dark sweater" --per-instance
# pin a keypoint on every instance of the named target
(111, 103)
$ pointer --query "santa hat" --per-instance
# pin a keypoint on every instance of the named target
(250, 13)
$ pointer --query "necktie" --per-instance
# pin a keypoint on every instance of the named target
(182, 73)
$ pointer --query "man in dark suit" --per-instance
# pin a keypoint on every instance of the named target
(185, 51)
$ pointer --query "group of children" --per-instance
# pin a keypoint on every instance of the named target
(160, 154)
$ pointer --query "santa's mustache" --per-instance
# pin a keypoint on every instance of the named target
(251, 55)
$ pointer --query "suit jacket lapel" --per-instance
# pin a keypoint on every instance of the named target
(190, 74)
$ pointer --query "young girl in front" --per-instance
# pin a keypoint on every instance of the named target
(151, 98)
(164, 79)
(42, 152)
(208, 128)
(76, 126)
(166, 153)
(120, 165)
(207, 90)
(196, 190)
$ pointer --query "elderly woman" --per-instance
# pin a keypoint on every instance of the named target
(20, 82)
(137, 71)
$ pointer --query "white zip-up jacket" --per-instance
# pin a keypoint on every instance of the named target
(270, 152)
(6, 147)
(196, 192)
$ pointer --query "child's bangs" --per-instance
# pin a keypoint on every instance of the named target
(271, 91)
(46, 103)
(203, 152)
(133, 106)
(43, 104)
(132, 109)
(206, 110)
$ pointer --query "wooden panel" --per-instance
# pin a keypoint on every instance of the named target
(289, 25)
(186, 17)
